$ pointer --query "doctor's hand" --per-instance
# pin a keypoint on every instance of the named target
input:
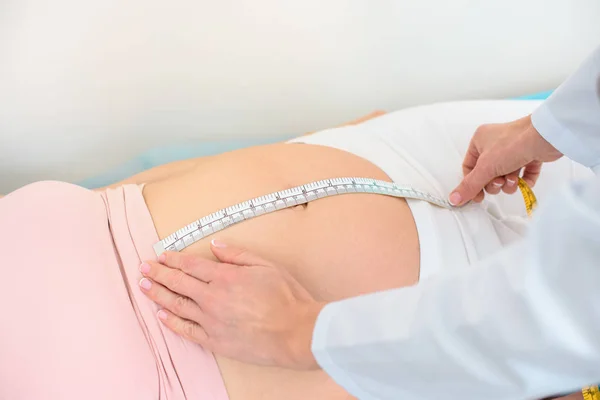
(497, 155)
(242, 307)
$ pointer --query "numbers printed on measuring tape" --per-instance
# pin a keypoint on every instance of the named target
(287, 198)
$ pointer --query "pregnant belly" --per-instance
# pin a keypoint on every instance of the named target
(336, 247)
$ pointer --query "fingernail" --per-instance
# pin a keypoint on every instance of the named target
(510, 182)
(162, 315)
(218, 244)
(162, 258)
(455, 198)
(145, 268)
(496, 184)
(145, 284)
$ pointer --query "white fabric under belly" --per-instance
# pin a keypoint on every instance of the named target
(424, 147)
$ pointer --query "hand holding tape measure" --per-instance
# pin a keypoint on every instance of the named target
(497, 157)
(507, 157)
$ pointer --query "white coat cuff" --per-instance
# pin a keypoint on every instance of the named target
(320, 345)
(562, 138)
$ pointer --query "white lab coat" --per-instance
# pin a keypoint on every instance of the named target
(523, 325)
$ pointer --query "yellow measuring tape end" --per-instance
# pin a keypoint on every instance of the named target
(528, 197)
(591, 393)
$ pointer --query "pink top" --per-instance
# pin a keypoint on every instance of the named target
(75, 325)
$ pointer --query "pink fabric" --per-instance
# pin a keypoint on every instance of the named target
(74, 322)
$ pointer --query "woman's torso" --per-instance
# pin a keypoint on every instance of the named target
(336, 247)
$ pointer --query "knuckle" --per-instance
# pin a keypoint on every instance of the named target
(186, 263)
(481, 130)
(171, 258)
(188, 329)
(175, 279)
(178, 260)
(179, 305)
(467, 165)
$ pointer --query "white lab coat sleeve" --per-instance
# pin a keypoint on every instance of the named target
(570, 118)
(523, 324)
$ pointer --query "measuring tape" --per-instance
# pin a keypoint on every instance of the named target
(226, 217)
(275, 201)
(528, 196)
(591, 393)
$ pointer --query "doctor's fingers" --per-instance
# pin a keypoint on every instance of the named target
(174, 279)
(182, 306)
(475, 180)
(532, 172)
(511, 179)
(495, 186)
(193, 265)
(479, 198)
(189, 329)
(506, 184)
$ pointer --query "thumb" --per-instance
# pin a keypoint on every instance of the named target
(471, 185)
(235, 255)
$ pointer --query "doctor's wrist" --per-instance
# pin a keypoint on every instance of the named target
(540, 148)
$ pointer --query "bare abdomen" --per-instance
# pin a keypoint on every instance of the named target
(336, 247)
